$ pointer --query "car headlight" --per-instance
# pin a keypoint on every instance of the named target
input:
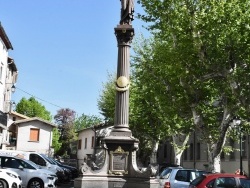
(11, 175)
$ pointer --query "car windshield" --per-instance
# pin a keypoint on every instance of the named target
(48, 159)
(165, 173)
(54, 161)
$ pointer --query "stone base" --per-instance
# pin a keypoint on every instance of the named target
(114, 182)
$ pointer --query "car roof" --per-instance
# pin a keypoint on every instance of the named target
(183, 168)
(215, 175)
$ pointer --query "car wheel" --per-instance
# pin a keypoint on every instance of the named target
(35, 183)
(3, 184)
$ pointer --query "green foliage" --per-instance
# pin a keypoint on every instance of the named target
(106, 101)
(85, 121)
(198, 64)
(193, 73)
(56, 144)
(32, 108)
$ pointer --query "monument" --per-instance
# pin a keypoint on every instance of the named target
(119, 169)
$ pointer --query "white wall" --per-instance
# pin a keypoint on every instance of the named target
(45, 137)
(82, 153)
(3, 64)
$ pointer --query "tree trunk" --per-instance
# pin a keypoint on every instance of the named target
(214, 161)
(179, 143)
(178, 159)
(153, 157)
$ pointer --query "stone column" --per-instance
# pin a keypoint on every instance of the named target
(124, 35)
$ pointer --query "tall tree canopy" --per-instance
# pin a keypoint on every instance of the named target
(32, 108)
(65, 118)
(199, 65)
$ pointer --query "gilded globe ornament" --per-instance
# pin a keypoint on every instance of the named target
(122, 83)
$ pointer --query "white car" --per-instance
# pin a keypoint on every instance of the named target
(9, 179)
(31, 174)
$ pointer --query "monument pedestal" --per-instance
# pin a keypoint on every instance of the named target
(120, 169)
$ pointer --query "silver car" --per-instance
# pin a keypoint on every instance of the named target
(31, 174)
(178, 177)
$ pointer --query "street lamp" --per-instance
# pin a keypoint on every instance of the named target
(237, 123)
(12, 88)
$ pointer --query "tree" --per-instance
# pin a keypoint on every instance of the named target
(159, 113)
(201, 60)
(106, 101)
(86, 121)
(56, 144)
(65, 118)
(32, 108)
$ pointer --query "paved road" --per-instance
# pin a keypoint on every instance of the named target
(66, 185)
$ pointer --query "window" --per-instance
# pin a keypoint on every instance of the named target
(182, 175)
(79, 144)
(225, 182)
(222, 155)
(92, 142)
(165, 150)
(85, 143)
(185, 154)
(37, 159)
(34, 135)
(244, 147)
(191, 151)
(198, 151)
(231, 143)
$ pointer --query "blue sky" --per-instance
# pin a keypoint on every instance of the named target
(63, 49)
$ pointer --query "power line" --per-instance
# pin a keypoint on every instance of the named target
(39, 98)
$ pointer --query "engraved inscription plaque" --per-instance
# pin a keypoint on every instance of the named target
(118, 161)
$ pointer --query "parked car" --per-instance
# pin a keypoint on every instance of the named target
(221, 180)
(61, 173)
(31, 174)
(10, 179)
(178, 177)
(74, 171)
(162, 166)
(36, 158)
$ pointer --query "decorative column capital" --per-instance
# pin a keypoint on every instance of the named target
(124, 34)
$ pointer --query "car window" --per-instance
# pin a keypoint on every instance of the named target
(225, 182)
(210, 184)
(25, 164)
(182, 175)
(166, 173)
(10, 163)
(245, 183)
(198, 180)
(195, 174)
(37, 159)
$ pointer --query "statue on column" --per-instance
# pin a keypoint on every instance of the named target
(127, 12)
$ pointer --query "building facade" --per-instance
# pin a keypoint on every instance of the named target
(8, 77)
(196, 155)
